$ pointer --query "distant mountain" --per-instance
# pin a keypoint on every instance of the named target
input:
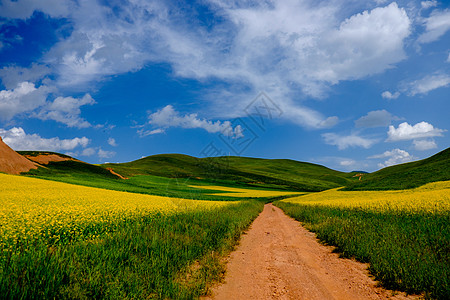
(408, 175)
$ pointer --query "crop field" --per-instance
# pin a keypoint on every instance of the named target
(68, 241)
(404, 235)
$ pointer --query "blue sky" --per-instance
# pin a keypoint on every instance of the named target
(353, 85)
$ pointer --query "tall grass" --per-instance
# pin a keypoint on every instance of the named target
(148, 257)
(407, 251)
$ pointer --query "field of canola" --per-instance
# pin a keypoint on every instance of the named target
(242, 193)
(404, 235)
(39, 209)
(430, 198)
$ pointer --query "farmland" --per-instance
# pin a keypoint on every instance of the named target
(75, 230)
(70, 241)
(404, 235)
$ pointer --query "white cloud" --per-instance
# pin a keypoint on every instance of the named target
(376, 118)
(389, 95)
(168, 117)
(428, 83)
(448, 58)
(105, 154)
(345, 141)
(347, 163)
(428, 4)
(423, 145)
(17, 139)
(396, 156)
(112, 142)
(24, 98)
(436, 25)
(408, 132)
(66, 110)
(288, 48)
(88, 151)
(143, 133)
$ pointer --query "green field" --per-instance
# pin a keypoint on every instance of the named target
(178, 255)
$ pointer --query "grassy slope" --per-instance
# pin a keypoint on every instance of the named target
(280, 173)
(408, 175)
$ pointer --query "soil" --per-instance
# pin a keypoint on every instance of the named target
(12, 162)
(115, 173)
(44, 159)
(279, 259)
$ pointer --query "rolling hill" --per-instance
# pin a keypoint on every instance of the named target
(280, 173)
(408, 175)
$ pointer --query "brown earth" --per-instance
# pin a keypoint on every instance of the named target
(279, 259)
(12, 162)
(47, 158)
(115, 173)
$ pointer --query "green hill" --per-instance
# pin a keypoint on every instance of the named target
(408, 175)
(281, 173)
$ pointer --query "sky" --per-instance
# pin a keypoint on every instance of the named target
(352, 85)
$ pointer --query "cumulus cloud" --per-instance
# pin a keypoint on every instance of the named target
(395, 156)
(376, 118)
(389, 95)
(66, 110)
(287, 48)
(346, 141)
(423, 145)
(88, 151)
(112, 142)
(25, 97)
(406, 131)
(105, 154)
(436, 25)
(428, 83)
(18, 139)
(168, 117)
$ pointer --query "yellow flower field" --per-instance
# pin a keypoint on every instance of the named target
(245, 193)
(33, 208)
(433, 197)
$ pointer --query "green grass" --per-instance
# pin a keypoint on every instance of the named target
(408, 175)
(407, 252)
(90, 175)
(279, 173)
(151, 257)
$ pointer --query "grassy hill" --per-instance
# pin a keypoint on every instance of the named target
(408, 175)
(280, 173)
(171, 174)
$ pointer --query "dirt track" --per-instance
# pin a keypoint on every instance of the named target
(279, 259)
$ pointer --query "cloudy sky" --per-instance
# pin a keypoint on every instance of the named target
(353, 85)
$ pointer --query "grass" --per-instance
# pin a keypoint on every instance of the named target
(406, 176)
(267, 173)
(407, 251)
(154, 256)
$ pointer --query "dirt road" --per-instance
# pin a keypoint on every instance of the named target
(279, 259)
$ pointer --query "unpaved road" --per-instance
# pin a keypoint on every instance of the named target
(279, 259)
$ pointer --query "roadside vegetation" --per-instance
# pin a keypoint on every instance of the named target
(404, 235)
(62, 241)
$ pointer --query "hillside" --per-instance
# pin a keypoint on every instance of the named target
(13, 163)
(408, 175)
(288, 174)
